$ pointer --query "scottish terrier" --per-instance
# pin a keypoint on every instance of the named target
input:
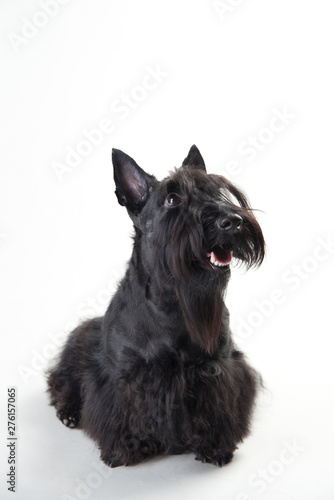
(159, 373)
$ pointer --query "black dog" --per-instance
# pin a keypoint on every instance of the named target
(159, 373)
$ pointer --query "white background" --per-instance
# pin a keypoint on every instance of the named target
(64, 240)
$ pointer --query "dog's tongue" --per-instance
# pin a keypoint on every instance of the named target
(219, 257)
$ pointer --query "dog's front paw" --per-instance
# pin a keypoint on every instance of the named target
(111, 462)
(218, 459)
(70, 418)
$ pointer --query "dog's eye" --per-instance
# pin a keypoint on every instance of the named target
(173, 199)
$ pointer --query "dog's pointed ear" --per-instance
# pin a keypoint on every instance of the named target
(194, 159)
(132, 183)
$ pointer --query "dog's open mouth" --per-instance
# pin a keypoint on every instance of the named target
(219, 257)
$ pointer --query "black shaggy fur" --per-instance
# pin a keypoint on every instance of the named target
(159, 373)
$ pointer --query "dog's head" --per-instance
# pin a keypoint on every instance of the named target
(190, 226)
(197, 220)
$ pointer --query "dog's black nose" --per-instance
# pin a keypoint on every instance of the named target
(231, 223)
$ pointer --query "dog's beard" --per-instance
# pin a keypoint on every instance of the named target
(202, 305)
(183, 264)
(194, 260)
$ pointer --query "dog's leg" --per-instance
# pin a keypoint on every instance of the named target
(216, 446)
(214, 458)
(129, 451)
(65, 396)
(225, 404)
(134, 423)
(65, 379)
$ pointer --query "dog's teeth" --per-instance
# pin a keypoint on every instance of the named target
(216, 262)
